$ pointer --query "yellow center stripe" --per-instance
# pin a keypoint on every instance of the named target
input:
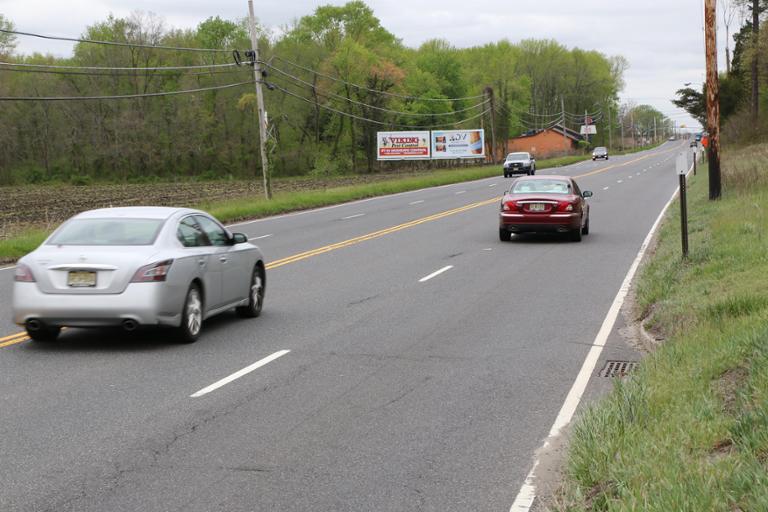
(22, 336)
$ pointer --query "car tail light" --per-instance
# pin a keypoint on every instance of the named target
(23, 274)
(508, 206)
(568, 206)
(153, 272)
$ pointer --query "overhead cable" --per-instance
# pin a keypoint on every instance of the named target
(373, 107)
(108, 68)
(123, 73)
(360, 87)
(114, 43)
(373, 121)
(123, 96)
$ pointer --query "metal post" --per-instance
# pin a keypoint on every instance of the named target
(610, 130)
(489, 92)
(260, 103)
(683, 215)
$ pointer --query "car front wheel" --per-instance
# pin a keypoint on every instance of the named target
(44, 334)
(191, 316)
(256, 294)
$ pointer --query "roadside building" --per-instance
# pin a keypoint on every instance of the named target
(546, 143)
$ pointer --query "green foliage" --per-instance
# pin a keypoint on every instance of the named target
(183, 136)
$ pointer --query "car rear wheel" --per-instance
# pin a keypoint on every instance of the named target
(504, 235)
(576, 235)
(256, 295)
(585, 229)
(191, 316)
(44, 334)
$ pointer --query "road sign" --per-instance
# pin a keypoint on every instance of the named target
(681, 164)
(588, 129)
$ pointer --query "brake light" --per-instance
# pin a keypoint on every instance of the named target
(23, 274)
(508, 206)
(568, 206)
(153, 272)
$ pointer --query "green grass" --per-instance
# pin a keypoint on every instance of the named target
(689, 431)
(256, 207)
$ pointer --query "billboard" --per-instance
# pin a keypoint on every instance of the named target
(402, 145)
(458, 143)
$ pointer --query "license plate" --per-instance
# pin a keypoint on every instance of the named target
(537, 207)
(81, 279)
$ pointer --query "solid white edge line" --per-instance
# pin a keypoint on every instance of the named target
(352, 216)
(461, 192)
(527, 494)
(416, 202)
(248, 369)
(436, 273)
(260, 237)
(8, 268)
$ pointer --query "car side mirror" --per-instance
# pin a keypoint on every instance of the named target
(239, 238)
(586, 193)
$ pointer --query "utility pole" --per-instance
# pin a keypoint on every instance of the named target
(621, 126)
(655, 135)
(260, 103)
(713, 99)
(610, 129)
(489, 93)
(586, 127)
(632, 127)
(755, 69)
(566, 146)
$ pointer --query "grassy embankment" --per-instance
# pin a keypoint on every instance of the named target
(689, 430)
(255, 207)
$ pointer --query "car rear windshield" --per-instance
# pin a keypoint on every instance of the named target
(541, 187)
(107, 232)
(517, 156)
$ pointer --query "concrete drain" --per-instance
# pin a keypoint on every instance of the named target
(618, 368)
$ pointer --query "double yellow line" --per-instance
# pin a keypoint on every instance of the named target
(13, 339)
(19, 337)
(375, 234)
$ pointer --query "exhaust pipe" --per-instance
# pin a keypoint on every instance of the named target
(34, 325)
(129, 325)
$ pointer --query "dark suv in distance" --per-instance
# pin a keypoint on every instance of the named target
(519, 163)
(600, 152)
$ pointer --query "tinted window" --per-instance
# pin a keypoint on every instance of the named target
(190, 234)
(108, 232)
(517, 156)
(216, 233)
(541, 187)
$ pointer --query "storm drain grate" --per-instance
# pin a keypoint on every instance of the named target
(618, 368)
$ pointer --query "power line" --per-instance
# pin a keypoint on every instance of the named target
(373, 121)
(402, 96)
(121, 97)
(374, 107)
(107, 68)
(120, 74)
(114, 43)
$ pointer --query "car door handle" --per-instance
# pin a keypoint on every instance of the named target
(201, 262)
(223, 259)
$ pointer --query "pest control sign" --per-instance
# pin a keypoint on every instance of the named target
(458, 144)
(402, 145)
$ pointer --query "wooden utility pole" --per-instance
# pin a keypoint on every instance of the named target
(260, 103)
(755, 53)
(489, 94)
(566, 146)
(610, 129)
(713, 99)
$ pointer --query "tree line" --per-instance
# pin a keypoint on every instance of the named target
(332, 79)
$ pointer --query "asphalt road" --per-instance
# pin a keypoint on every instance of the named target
(398, 393)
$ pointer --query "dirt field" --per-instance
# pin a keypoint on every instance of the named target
(32, 206)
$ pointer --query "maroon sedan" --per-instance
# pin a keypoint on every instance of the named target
(544, 204)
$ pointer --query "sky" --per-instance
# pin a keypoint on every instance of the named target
(663, 40)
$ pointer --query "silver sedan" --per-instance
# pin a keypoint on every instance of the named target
(137, 266)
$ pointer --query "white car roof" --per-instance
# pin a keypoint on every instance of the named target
(135, 212)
